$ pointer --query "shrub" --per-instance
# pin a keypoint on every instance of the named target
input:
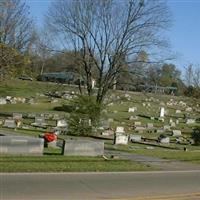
(196, 136)
(86, 114)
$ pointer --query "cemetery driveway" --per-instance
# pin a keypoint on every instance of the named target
(158, 163)
(171, 185)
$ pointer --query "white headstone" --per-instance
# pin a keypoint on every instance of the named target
(162, 112)
(62, 123)
(107, 133)
(121, 139)
(137, 123)
(165, 140)
(119, 129)
(189, 109)
(3, 101)
(176, 133)
(132, 109)
(178, 111)
(190, 121)
(93, 83)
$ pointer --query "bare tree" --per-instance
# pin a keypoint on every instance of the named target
(15, 34)
(15, 25)
(196, 78)
(103, 31)
(189, 75)
(192, 75)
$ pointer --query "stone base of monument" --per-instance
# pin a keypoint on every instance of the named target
(83, 148)
(21, 145)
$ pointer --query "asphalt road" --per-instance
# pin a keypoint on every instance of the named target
(93, 186)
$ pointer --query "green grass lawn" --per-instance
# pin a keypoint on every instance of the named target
(52, 162)
(58, 163)
(22, 88)
(192, 155)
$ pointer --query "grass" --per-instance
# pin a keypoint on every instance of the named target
(21, 88)
(192, 155)
(66, 164)
(51, 161)
(36, 108)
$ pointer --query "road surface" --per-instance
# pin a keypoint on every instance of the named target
(85, 186)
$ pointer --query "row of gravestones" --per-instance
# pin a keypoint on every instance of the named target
(121, 138)
(39, 122)
(23, 145)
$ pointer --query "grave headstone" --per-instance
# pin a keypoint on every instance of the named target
(166, 127)
(162, 112)
(119, 129)
(150, 125)
(137, 123)
(178, 111)
(39, 121)
(188, 109)
(3, 101)
(176, 133)
(21, 145)
(135, 138)
(133, 117)
(121, 139)
(107, 133)
(173, 124)
(83, 148)
(133, 109)
(139, 129)
(62, 123)
(164, 140)
(10, 123)
(190, 121)
(17, 116)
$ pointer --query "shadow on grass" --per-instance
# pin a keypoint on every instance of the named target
(52, 153)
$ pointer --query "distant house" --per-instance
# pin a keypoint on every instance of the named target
(60, 77)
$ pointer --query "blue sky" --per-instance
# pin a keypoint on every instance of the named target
(184, 35)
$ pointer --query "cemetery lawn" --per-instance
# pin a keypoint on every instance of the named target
(20, 88)
(192, 155)
(59, 163)
(189, 156)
